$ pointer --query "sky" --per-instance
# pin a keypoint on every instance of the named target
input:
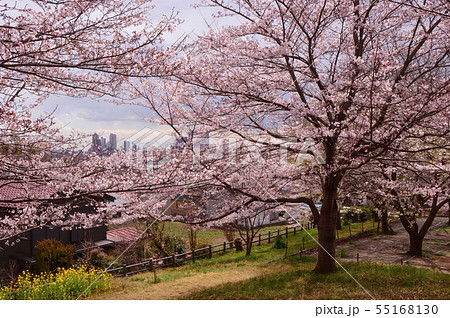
(87, 115)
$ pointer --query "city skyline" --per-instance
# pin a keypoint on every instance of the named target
(100, 144)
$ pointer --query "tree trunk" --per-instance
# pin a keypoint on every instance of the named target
(338, 215)
(192, 238)
(416, 236)
(327, 228)
(384, 222)
(249, 242)
(415, 245)
(248, 247)
(448, 212)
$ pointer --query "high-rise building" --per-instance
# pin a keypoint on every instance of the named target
(112, 142)
(126, 145)
(103, 143)
(96, 143)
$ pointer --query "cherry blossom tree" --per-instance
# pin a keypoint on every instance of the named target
(76, 48)
(352, 78)
(417, 185)
(413, 190)
(362, 184)
(249, 226)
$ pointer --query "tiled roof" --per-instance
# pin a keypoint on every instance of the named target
(125, 234)
(10, 191)
(18, 191)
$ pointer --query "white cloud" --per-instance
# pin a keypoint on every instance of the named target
(87, 115)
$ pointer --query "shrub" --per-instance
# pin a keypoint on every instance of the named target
(174, 244)
(238, 244)
(132, 255)
(9, 272)
(342, 253)
(349, 215)
(163, 243)
(99, 259)
(52, 254)
(192, 234)
(279, 243)
(368, 209)
(346, 223)
(64, 284)
(229, 232)
(363, 216)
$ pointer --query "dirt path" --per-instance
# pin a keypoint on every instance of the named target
(393, 248)
(136, 288)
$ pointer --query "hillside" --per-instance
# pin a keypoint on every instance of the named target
(267, 274)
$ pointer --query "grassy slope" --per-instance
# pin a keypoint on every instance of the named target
(267, 275)
(215, 236)
(381, 281)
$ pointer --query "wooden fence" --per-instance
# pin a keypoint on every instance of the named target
(205, 252)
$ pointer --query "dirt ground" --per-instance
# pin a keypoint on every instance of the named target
(393, 248)
(135, 288)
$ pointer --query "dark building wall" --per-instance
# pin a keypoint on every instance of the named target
(94, 234)
(26, 246)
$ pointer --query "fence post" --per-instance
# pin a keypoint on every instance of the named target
(357, 257)
(295, 228)
(124, 269)
(287, 232)
(224, 247)
(210, 251)
(350, 230)
(308, 225)
(259, 239)
(173, 260)
(150, 266)
(362, 226)
(278, 233)
(269, 237)
(193, 256)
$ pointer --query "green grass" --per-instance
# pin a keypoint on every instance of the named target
(268, 274)
(342, 253)
(211, 236)
(382, 281)
(441, 253)
(204, 236)
(444, 228)
(265, 252)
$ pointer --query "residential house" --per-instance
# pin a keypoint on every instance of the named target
(23, 247)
